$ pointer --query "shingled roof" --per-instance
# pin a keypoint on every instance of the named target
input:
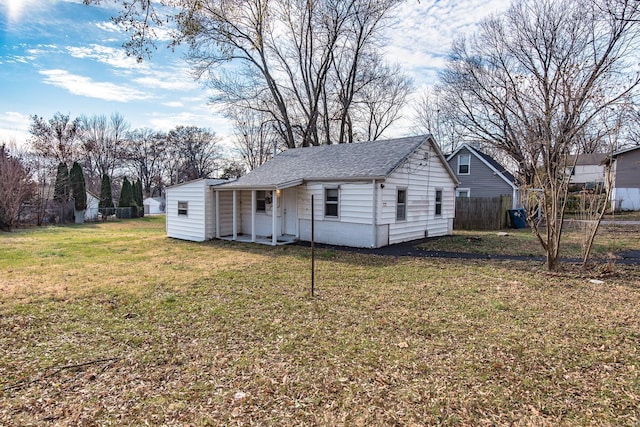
(364, 160)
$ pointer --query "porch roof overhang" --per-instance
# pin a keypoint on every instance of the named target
(294, 183)
(266, 186)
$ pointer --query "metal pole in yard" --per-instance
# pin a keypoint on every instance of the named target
(313, 250)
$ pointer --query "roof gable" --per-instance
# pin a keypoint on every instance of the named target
(489, 161)
(364, 160)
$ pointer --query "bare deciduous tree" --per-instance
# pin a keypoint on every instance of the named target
(16, 188)
(255, 139)
(102, 145)
(531, 81)
(145, 153)
(300, 62)
(197, 150)
(431, 116)
(55, 139)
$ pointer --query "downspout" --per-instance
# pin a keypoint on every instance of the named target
(274, 217)
(374, 215)
(235, 225)
(217, 214)
(253, 215)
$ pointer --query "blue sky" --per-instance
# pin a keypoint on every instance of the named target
(63, 56)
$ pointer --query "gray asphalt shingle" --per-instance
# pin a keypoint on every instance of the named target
(371, 159)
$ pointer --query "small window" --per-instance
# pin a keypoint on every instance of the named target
(463, 192)
(438, 202)
(464, 160)
(261, 201)
(401, 205)
(183, 208)
(331, 197)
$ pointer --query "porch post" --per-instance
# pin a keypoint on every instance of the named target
(235, 225)
(253, 215)
(274, 217)
(217, 214)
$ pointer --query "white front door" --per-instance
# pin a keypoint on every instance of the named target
(290, 211)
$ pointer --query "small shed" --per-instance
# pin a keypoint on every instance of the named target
(154, 205)
(93, 202)
(190, 210)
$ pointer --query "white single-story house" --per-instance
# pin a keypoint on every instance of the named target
(587, 169)
(154, 205)
(368, 194)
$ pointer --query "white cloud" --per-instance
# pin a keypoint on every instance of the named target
(166, 122)
(420, 37)
(14, 127)
(173, 104)
(85, 86)
(115, 57)
(167, 81)
(109, 27)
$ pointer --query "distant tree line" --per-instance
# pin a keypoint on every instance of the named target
(66, 157)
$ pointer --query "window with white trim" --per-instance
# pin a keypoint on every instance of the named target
(464, 164)
(331, 202)
(261, 201)
(463, 192)
(438, 204)
(401, 205)
(183, 208)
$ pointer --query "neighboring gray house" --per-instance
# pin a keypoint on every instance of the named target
(624, 167)
(368, 194)
(480, 175)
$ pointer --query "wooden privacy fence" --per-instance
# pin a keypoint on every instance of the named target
(482, 213)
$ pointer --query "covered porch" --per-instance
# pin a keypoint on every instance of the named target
(265, 215)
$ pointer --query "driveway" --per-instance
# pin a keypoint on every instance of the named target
(411, 249)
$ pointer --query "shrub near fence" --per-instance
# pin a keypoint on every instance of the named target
(482, 213)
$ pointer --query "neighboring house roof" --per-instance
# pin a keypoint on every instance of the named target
(489, 161)
(156, 199)
(587, 159)
(363, 160)
(89, 193)
(625, 150)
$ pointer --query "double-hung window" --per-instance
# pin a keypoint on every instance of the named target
(401, 205)
(261, 201)
(438, 205)
(331, 202)
(183, 208)
(464, 162)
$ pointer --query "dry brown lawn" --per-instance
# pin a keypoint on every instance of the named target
(114, 324)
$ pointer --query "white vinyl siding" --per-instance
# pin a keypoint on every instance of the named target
(199, 222)
(421, 174)
(354, 227)
(401, 204)
(332, 202)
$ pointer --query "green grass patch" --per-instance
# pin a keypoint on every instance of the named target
(128, 327)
